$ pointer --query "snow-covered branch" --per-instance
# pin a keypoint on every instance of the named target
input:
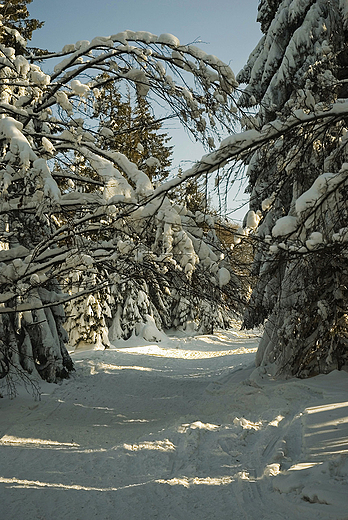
(241, 144)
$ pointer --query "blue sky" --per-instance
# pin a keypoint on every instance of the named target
(226, 28)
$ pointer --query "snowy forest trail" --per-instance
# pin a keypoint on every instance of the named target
(181, 429)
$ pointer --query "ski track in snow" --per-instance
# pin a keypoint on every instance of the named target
(182, 429)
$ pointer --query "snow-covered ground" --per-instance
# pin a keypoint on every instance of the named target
(182, 429)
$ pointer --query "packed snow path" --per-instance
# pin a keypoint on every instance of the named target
(182, 429)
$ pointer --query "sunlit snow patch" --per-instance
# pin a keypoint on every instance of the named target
(196, 481)
(10, 440)
(197, 425)
(155, 350)
(247, 425)
(165, 445)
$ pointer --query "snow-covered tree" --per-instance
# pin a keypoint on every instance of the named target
(297, 81)
(17, 27)
(82, 223)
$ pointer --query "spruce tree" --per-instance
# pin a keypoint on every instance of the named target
(128, 125)
(17, 28)
(297, 184)
(33, 340)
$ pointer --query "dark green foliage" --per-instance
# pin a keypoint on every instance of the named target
(135, 131)
(15, 15)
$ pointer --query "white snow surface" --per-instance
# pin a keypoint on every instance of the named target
(186, 428)
(285, 226)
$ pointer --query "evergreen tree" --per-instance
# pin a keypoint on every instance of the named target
(16, 27)
(129, 127)
(298, 73)
(194, 194)
(34, 339)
